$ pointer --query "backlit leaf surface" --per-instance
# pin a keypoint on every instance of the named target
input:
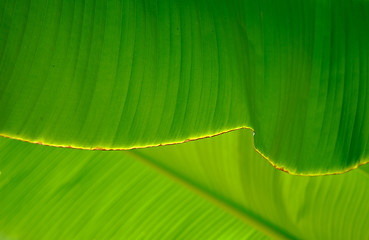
(55, 193)
(127, 73)
(67, 193)
(295, 207)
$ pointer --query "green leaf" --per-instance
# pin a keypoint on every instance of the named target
(55, 193)
(126, 73)
(298, 207)
(120, 74)
(67, 193)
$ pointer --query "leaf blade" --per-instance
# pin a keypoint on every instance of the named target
(65, 193)
(126, 74)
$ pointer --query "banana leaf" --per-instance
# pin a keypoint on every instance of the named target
(230, 192)
(55, 193)
(123, 74)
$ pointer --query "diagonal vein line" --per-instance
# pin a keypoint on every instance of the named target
(236, 210)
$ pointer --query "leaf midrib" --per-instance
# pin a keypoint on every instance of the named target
(236, 210)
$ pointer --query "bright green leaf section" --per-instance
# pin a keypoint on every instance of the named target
(127, 73)
(54, 193)
(300, 207)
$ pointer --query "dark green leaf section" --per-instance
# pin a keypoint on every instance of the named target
(300, 207)
(55, 193)
(125, 73)
(311, 113)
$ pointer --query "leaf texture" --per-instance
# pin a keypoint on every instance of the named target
(296, 207)
(125, 74)
(55, 193)
(67, 193)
